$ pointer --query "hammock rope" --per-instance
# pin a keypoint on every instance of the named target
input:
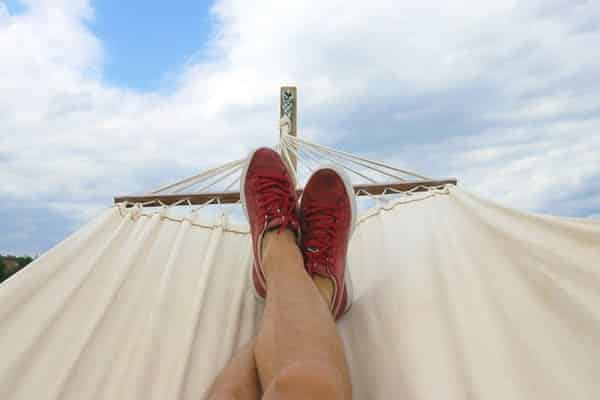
(358, 158)
(304, 157)
(187, 183)
(290, 140)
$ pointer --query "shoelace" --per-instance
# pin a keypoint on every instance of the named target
(320, 237)
(277, 198)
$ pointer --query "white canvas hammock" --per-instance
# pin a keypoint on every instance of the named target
(455, 297)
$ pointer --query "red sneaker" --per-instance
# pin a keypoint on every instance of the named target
(328, 215)
(268, 194)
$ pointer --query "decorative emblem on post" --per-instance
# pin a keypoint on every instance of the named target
(289, 107)
(287, 102)
(288, 114)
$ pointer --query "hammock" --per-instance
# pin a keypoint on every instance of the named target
(455, 296)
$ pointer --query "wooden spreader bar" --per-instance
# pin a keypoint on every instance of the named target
(234, 197)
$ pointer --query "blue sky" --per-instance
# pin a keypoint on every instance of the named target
(148, 42)
(100, 98)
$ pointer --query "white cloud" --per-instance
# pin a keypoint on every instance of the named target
(538, 167)
(493, 92)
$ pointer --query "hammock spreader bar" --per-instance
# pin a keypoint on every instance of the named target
(234, 197)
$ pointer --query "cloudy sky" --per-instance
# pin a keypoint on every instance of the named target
(98, 98)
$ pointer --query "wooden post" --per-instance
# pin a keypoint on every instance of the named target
(288, 106)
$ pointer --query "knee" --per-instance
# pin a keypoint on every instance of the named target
(310, 379)
(224, 394)
(233, 391)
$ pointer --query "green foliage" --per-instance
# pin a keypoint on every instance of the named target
(3, 272)
(22, 262)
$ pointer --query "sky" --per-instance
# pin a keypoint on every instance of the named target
(101, 98)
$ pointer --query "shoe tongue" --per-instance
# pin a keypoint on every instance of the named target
(319, 269)
(275, 222)
(317, 266)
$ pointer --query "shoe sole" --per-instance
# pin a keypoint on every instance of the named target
(352, 196)
(243, 200)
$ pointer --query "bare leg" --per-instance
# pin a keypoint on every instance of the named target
(239, 379)
(298, 351)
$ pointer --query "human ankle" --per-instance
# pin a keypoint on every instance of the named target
(275, 240)
(277, 246)
(325, 287)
